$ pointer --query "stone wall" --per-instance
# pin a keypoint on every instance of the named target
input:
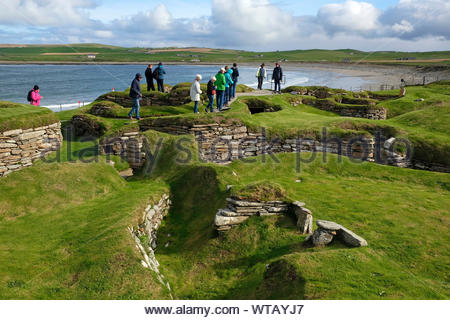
(357, 111)
(223, 143)
(145, 235)
(21, 147)
(129, 147)
(237, 211)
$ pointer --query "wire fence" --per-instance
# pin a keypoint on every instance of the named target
(410, 80)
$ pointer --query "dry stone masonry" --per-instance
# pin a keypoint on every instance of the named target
(225, 142)
(328, 230)
(238, 211)
(129, 147)
(21, 147)
(152, 217)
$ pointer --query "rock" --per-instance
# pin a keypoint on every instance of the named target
(228, 221)
(321, 237)
(388, 143)
(298, 204)
(328, 225)
(240, 203)
(227, 213)
(12, 132)
(350, 238)
(305, 223)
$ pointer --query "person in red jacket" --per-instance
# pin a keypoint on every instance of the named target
(35, 96)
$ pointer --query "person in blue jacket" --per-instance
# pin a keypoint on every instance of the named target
(135, 94)
(228, 84)
(158, 74)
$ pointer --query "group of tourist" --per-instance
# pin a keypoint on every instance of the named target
(157, 74)
(277, 77)
(223, 86)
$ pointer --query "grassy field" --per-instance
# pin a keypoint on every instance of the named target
(63, 225)
(78, 53)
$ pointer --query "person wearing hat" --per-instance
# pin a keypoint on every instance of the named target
(221, 86)
(158, 74)
(135, 94)
(195, 92)
(210, 92)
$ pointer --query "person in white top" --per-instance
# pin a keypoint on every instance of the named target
(261, 75)
(196, 92)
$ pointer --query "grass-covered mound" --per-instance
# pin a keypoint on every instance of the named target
(23, 116)
(406, 234)
(63, 230)
(71, 241)
(434, 94)
(109, 109)
(261, 191)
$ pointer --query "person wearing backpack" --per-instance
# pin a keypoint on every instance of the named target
(158, 74)
(235, 78)
(196, 92)
(149, 78)
(135, 94)
(34, 98)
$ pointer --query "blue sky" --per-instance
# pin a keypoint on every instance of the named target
(408, 25)
(110, 9)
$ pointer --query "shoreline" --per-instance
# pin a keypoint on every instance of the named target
(375, 74)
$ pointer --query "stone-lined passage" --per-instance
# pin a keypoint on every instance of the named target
(152, 217)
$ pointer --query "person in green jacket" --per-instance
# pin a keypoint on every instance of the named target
(220, 91)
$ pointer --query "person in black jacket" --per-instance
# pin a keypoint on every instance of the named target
(210, 92)
(135, 94)
(149, 78)
(277, 76)
(235, 78)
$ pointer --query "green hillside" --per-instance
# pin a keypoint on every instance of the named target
(78, 53)
(63, 226)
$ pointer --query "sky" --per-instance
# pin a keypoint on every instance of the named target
(260, 25)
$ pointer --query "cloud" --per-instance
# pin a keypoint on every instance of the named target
(349, 17)
(46, 12)
(413, 19)
(243, 24)
(254, 21)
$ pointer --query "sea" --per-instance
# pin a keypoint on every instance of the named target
(70, 86)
